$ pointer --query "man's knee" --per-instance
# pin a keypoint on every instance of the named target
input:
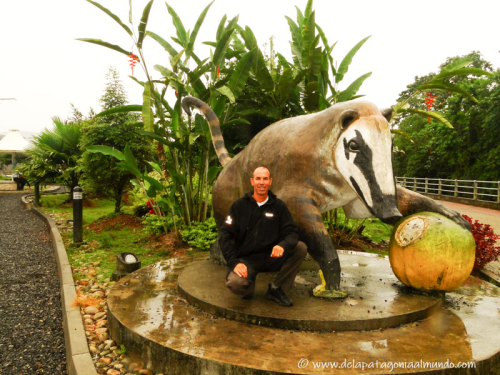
(301, 249)
(238, 285)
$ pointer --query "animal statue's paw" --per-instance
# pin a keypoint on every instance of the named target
(320, 291)
(456, 217)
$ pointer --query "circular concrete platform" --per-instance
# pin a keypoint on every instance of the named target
(376, 298)
(171, 336)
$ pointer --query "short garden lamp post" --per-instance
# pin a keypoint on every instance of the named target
(77, 215)
(125, 264)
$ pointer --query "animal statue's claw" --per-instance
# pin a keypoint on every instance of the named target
(320, 291)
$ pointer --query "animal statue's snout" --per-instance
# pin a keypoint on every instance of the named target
(391, 216)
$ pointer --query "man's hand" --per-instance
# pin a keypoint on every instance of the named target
(277, 252)
(241, 270)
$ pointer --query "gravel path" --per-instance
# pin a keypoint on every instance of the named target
(31, 333)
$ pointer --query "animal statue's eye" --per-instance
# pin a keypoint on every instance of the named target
(353, 146)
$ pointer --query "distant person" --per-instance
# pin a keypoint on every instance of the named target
(21, 181)
(259, 235)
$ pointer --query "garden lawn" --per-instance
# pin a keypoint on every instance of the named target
(103, 241)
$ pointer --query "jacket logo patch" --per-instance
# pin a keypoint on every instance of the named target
(268, 214)
(229, 220)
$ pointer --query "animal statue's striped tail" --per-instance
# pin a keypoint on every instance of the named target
(213, 122)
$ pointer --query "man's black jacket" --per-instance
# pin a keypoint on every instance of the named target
(251, 232)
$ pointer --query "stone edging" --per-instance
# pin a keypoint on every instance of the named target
(78, 359)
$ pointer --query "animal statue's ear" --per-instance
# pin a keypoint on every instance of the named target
(348, 117)
(387, 113)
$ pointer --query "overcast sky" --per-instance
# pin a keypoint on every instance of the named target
(45, 68)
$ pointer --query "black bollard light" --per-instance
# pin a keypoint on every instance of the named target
(77, 215)
(37, 193)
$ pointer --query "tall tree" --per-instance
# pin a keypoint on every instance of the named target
(115, 130)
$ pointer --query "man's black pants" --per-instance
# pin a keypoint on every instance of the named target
(287, 266)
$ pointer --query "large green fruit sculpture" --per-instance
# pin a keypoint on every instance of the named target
(429, 251)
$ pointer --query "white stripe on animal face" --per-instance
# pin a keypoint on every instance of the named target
(363, 157)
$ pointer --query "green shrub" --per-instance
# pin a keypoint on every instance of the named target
(200, 235)
(156, 224)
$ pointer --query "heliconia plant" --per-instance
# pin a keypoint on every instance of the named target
(236, 69)
(440, 82)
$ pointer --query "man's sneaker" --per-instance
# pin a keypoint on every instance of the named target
(277, 295)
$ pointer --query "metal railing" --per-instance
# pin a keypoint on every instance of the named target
(485, 191)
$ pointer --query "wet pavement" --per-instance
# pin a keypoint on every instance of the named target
(149, 316)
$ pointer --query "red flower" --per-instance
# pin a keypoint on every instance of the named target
(133, 60)
(428, 102)
(150, 211)
(218, 71)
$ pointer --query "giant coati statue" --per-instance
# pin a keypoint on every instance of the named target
(339, 157)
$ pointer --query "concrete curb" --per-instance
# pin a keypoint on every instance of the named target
(78, 359)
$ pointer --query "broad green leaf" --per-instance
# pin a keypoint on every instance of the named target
(112, 15)
(308, 35)
(233, 23)
(179, 27)
(226, 91)
(176, 117)
(106, 150)
(212, 173)
(130, 11)
(240, 74)
(150, 190)
(168, 47)
(237, 121)
(441, 85)
(461, 72)
(462, 63)
(308, 10)
(283, 60)
(136, 80)
(344, 65)
(300, 16)
(135, 182)
(353, 88)
(131, 162)
(155, 166)
(323, 39)
(126, 108)
(435, 115)
(211, 44)
(155, 136)
(167, 73)
(179, 178)
(220, 29)
(154, 182)
(221, 48)
(249, 38)
(147, 112)
(404, 134)
(196, 28)
(106, 44)
(144, 23)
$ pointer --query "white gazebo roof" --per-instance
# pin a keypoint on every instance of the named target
(13, 142)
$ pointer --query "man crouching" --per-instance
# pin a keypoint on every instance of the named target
(259, 235)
